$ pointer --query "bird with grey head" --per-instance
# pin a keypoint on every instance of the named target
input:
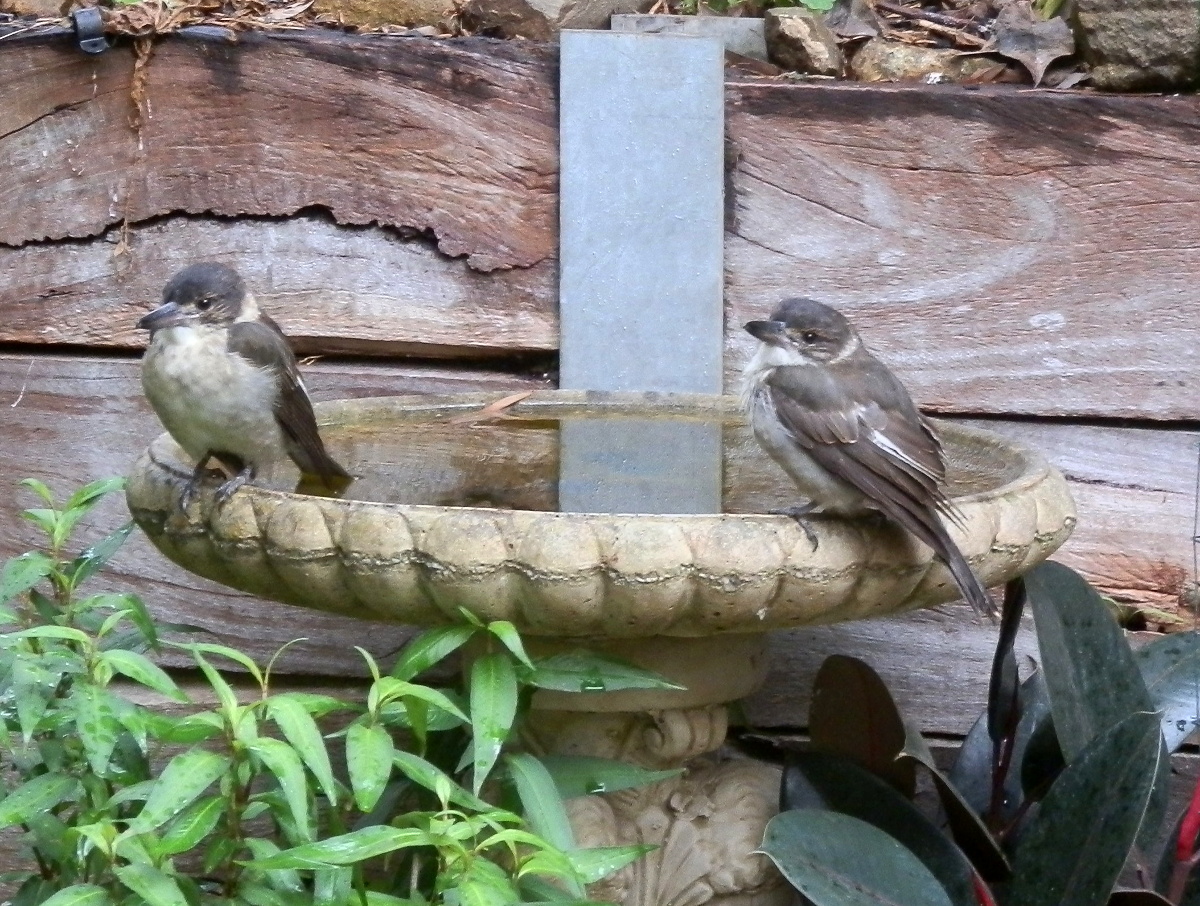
(846, 431)
(224, 382)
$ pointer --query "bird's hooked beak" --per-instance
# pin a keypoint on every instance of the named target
(768, 331)
(167, 315)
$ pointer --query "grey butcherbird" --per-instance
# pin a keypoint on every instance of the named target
(847, 432)
(223, 380)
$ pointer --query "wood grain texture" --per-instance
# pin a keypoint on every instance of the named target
(69, 420)
(334, 289)
(457, 138)
(1006, 251)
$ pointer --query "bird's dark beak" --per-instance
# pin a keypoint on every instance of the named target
(166, 315)
(768, 331)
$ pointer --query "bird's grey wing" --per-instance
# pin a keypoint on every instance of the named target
(891, 455)
(263, 344)
(875, 443)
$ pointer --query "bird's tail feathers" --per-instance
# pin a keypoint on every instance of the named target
(968, 583)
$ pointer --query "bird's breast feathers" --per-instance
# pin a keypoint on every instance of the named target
(209, 398)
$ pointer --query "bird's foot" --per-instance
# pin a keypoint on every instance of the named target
(800, 514)
(203, 470)
(227, 490)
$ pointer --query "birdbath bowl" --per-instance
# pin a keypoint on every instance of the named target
(500, 513)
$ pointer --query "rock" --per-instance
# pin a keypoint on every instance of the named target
(880, 60)
(741, 35)
(37, 8)
(1135, 45)
(376, 13)
(798, 39)
(539, 19)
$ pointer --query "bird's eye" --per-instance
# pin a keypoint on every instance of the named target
(204, 304)
(809, 336)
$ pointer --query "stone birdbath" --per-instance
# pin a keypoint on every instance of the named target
(451, 512)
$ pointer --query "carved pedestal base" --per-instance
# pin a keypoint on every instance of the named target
(708, 821)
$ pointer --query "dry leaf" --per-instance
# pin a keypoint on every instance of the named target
(1035, 43)
(853, 19)
(492, 410)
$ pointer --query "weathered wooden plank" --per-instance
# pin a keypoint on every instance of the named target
(68, 420)
(1006, 251)
(457, 138)
(334, 289)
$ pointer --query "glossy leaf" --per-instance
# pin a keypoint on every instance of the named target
(968, 830)
(833, 782)
(493, 694)
(22, 573)
(96, 721)
(430, 647)
(1074, 847)
(87, 563)
(540, 799)
(282, 761)
(584, 671)
(301, 731)
(141, 669)
(332, 886)
(506, 632)
(837, 860)
(598, 862)
(346, 849)
(181, 783)
(1171, 670)
(1004, 707)
(40, 794)
(80, 895)
(191, 826)
(583, 775)
(231, 653)
(369, 754)
(89, 495)
(1093, 680)
(853, 715)
(282, 879)
(433, 778)
(154, 886)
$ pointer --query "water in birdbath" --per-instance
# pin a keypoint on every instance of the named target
(576, 460)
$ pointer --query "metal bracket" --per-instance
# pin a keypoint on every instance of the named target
(89, 30)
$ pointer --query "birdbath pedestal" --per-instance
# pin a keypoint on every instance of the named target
(465, 514)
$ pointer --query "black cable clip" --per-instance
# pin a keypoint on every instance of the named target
(89, 30)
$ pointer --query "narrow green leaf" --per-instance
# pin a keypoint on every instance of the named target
(261, 894)
(820, 780)
(539, 797)
(225, 694)
(32, 688)
(1075, 845)
(486, 884)
(375, 898)
(186, 730)
(507, 633)
(22, 573)
(430, 647)
(141, 669)
(598, 862)
(225, 651)
(80, 895)
(369, 753)
(493, 694)
(346, 849)
(66, 633)
(332, 886)
(582, 671)
(853, 715)
(90, 494)
(584, 775)
(40, 794)
(433, 778)
(151, 884)
(181, 783)
(96, 721)
(837, 860)
(282, 761)
(299, 729)
(89, 561)
(284, 879)
(38, 488)
(189, 828)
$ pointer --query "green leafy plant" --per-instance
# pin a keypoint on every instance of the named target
(1059, 789)
(416, 798)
